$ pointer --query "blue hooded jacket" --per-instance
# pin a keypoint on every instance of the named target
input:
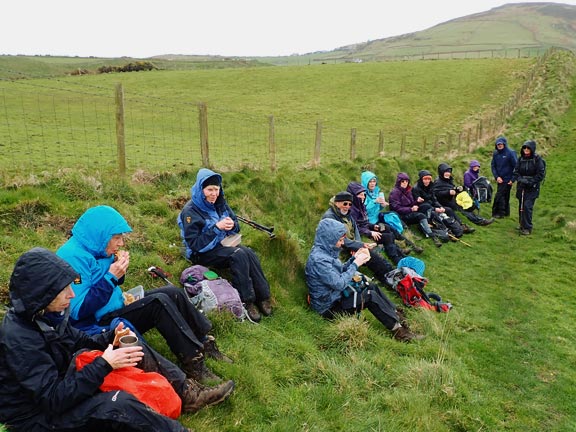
(372, 207)
(99, 291)
(198, 218)
(326, 275)
(503, 161)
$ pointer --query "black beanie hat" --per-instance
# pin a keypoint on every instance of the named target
(343, 196)
(211, 181)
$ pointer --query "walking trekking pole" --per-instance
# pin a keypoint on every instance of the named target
(453, 237)
(157, 272)
(267, 230)
(521, 207)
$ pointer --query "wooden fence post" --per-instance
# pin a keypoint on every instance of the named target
(403, 146)
(353, 144)
(203, 121)
(317, 143)
(271, 143)
(120, 133)
(381, 143)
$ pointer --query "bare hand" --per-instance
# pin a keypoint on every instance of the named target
(120, 331)
(119, 267)
(225, 224)
(376, 235)
(452, 192)
(123, 357)
(499, 180)
(420, 199)
(369, 246)
(361, 256)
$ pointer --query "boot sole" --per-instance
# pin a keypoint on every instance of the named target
(224, 396)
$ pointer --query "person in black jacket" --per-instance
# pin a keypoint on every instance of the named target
(205, 222)
(40, 388)
(445, 191)
(529, 173)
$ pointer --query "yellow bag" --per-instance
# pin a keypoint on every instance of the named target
(464, 200)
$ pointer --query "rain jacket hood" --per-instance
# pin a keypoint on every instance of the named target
(401, 176)
(328, 232)
(531, 145)
(197, 194)
(442, 168)
(38, 277)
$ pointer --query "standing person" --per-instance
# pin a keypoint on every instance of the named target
(40, 388)
(204, 222)
(328, 281)
(379, 233)
(503, 163)
(94, 251)
(446, 191)
(529, 173)
(339, 210)
(402, 202)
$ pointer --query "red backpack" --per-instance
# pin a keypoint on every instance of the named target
(409, 285)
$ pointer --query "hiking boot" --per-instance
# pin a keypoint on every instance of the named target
(211, 350)
(265, 307)
(485, 222)
(525, 232)
(402, 334)
(196, 396)
(195, 368)
(253, 313)
(437, 241)
(406, 251)
(468, 229)
(402, 318)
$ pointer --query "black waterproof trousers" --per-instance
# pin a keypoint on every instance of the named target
(501, 204)
(167, 309)
(247, 275)
(526, 200)
(372, 299)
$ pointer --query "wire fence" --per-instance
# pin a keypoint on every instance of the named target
(46, 127)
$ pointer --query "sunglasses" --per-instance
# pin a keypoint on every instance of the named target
(347, 204)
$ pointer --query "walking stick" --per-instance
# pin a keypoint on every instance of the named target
(453, 237)
(521, 209)
(255, 225)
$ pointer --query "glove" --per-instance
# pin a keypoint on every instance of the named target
(523, 180)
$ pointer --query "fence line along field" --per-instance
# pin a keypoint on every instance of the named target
(258, 117)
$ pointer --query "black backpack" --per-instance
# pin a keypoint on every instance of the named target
(481, 190)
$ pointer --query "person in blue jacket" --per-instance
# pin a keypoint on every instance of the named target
(329, 282)
(204, 222)
(41, 389)
(503, 163)
(94, 251)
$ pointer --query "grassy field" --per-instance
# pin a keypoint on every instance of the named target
(70, 122)
(501, 360)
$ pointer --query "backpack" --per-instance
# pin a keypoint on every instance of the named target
(481, 190)
(212, 293)
(444, 222)
(392, 219)
(409, 285)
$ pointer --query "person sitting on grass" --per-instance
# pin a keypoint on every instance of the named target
(204, 222)
(40, 386)
(402, 202)
(340, 205)
(446, 192)
(329, 282)
(377, 232)
(95, 251)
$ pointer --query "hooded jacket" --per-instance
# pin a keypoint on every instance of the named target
(326, 275)
(529, 171)
(443, 186)
(198, 218)
(358, 210)
(425, 192)
(401, 199)
(503, 161)
(36, 348)
(99, 291)
(470, 176)
(372, 207)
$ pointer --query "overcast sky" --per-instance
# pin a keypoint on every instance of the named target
(141, 28)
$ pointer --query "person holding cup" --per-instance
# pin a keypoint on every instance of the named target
(331, 282)
(40, 386)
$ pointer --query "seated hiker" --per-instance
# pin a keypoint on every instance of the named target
(446, 191)
(423, 193)
(204, 222)
(375, 204)
(94, 251)
(41, 388)
(377, 233)
(330, 282)
(339, 210)
(403, 203)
